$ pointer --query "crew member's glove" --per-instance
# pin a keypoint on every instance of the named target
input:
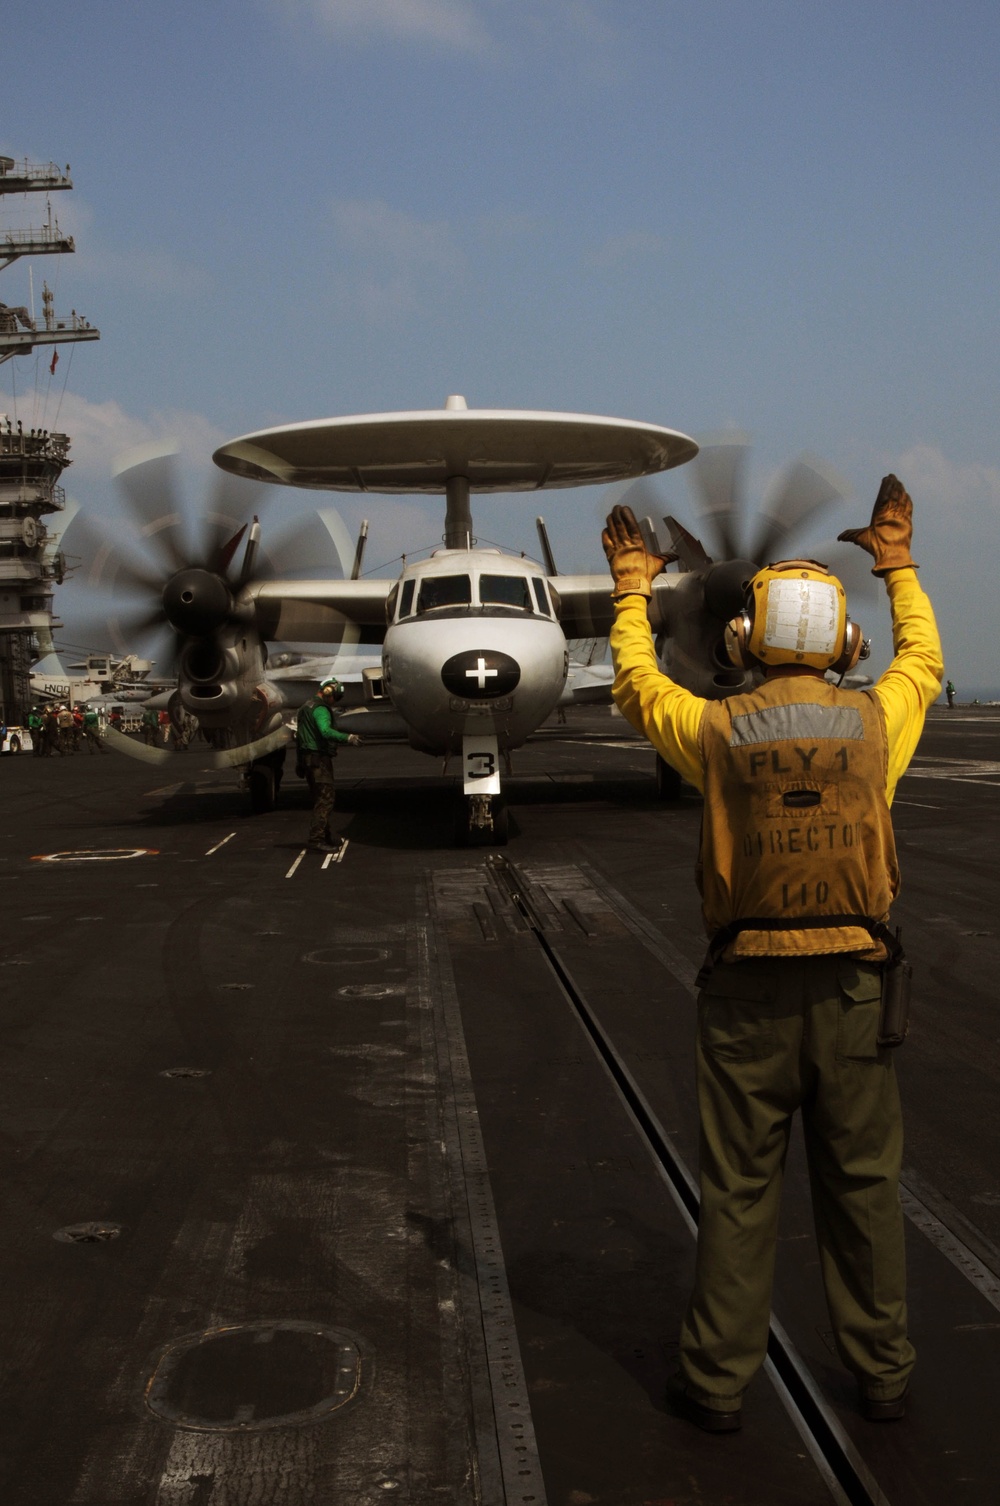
(890, 532)
(354, 740)
(632, 565)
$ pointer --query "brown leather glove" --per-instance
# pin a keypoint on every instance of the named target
(632, 566)
(890, 532)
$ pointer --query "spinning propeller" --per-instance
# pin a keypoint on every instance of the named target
(714, 573)
(186, 581)
(175, 575)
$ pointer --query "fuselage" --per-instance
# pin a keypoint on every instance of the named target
(472, 646)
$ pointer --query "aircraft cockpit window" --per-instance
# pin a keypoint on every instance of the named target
(444, 591)
(539, 587)
(406, 599)
(504, 591)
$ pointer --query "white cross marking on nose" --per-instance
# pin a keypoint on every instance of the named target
(480, 673)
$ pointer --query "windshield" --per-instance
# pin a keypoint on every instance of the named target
(505, 591)
(539, 586)
(444, 591)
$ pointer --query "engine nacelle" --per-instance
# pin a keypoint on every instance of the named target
(220, 680)
(690, 643)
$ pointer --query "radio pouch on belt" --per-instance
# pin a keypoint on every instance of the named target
(897, 985)
(897, 972)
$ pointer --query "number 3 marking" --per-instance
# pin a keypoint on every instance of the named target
(482, 773)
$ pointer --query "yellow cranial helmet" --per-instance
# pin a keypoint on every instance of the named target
(796, 613)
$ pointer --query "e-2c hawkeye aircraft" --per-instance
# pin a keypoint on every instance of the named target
(474, 640)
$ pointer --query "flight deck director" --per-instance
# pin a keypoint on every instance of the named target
(797, 871)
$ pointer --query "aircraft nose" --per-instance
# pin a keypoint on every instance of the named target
(480, 674)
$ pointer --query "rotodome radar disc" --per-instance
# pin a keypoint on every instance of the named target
(498, 450)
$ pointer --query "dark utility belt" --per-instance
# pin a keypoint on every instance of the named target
(897, 972)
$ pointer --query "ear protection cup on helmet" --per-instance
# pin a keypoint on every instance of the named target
(854, 642)
(737, 640)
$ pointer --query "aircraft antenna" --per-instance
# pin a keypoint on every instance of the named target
(359, 552)
(543, 539)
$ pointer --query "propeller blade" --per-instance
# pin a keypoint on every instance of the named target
(232, 500)
(121, 743)
(230, 758)
(148, 486)
(642, 495)
(853, 568)
(55, 532)
(808, 487)
(342, 542)
(149, 635)
(716, 474)
(101, 563)
(315, 545)
(236, 497)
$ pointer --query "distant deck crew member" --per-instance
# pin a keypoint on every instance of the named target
(50, 731)
(150, 726)
(36, 728)
(318, 741)
(91, 731)
(797, 871)
(66, 730)
(949, 691)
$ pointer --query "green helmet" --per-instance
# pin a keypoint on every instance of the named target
(334, 685)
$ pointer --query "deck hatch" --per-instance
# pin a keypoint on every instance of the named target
(252, 1376)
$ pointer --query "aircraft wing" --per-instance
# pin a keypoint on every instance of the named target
(297, 682)
(322, 611)
(586, 608)
(588, 685)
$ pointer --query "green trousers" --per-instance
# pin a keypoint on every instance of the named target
(776, 1035)
(318, 770)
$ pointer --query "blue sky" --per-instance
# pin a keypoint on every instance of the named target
(776, 216)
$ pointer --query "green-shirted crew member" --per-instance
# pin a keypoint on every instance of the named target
(797, 868)
(318, 740)
(150, 726)
(92, 730)
(35, 727)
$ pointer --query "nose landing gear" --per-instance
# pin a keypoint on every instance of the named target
(481, 821)
(482, 810)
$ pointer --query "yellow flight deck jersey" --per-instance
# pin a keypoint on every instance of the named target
(798, 777)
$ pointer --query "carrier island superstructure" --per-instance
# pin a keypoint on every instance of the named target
(32, 459)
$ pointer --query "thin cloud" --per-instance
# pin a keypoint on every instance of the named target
(102, 432)
(496, 27)
(144, 269)
(939, 483)
(508, 225)
(448, 23)
(623, 249)
(389, 264)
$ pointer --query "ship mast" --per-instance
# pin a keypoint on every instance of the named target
(33, 460)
